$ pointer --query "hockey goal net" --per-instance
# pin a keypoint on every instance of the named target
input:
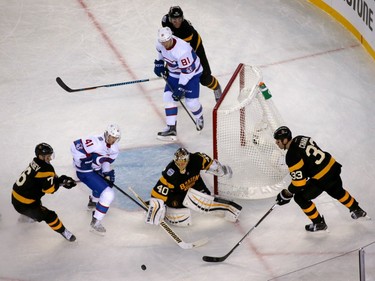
(244, 120)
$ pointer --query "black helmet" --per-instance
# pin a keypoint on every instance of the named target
(175, 12)
(282, 132)
(43, 149)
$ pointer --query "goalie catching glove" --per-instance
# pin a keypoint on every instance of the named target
(217, 169)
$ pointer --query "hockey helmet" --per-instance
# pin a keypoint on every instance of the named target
(112, 130)
(282, 132)
(175, 12)
(43, 149)
(164, 34)
(181, 159)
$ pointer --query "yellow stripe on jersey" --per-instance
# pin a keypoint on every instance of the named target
(49, 190)
(44, 174)
(188, 39)
(299, 182)
(297, 166)
(22, 199)
(167, 184)
(325, 170)
(158, 195)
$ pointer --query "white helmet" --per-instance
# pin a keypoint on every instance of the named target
(164, 34)
(114, 131)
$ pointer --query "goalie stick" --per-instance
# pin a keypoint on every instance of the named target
(70, 90)
(171, 233)
(223, 258)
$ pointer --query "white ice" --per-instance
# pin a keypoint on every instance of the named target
(322, 82)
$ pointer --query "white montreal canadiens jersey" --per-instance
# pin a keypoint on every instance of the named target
(182, 61)
(93, 153)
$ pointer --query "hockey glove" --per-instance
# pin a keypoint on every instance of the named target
(110, 177)
(178, 93)
(66, 182)
(159, 68)
(284, 197)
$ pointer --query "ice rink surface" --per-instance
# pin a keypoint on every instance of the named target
(322, 81)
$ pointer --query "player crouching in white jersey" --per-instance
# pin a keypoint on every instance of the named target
(93, 157)
(184, 71)
(181, 189)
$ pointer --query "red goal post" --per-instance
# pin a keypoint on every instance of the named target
(244, 120)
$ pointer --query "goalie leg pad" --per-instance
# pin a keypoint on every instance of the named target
(198, 201)
(178, 217)
(156, 211)
(233, 210)
(204, 203)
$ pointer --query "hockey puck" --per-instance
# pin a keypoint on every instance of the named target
(143, 267)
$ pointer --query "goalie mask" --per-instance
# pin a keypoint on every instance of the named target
(181, 159)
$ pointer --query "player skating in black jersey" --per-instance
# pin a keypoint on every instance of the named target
(313, 171)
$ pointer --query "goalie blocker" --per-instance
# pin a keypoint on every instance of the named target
(196, 201)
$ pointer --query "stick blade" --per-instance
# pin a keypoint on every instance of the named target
(213, 259)
(63, 85)
(199, 243)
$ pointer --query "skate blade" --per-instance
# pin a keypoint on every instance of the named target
(167, 138)
(365, 218)
(102, 234)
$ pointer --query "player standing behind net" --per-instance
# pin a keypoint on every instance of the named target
(183, 29)
(38, 179)
(92, 158)
(181, 189)
(313, 171)
(184, 70)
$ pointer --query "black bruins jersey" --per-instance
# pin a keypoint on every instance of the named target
(173, 185)
(35, 181)
(307, 161)
(186, 32)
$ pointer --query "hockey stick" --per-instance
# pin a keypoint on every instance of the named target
(223, 258)
(171, 233)
(182, 104)
(66, 88)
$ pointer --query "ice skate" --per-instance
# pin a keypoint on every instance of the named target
(359, 213)
(314, 227)
(68, 235)
(217, 92)
(168, 134)
(97, 226)
(91, 205)
(200, 123)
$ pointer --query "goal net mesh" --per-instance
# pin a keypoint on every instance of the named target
(244, 120)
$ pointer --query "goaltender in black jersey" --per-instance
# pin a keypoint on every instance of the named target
(181, 189)
(182, 28)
